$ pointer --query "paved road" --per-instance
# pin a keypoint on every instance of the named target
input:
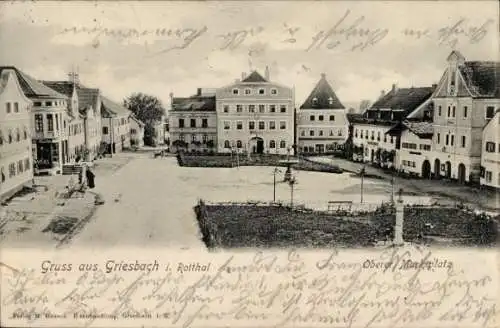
(154, 209)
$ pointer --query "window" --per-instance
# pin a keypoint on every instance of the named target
(3, 174)
(8, 107)
(320, 133)
(251, 125)
(193, 123)
(239, 144)
(453, 111)
(20, 166)
(204, 138)
(425, 147)
(27, 164)
(18, 135)
(12, 170)
(226, 144)
(282, 144)
(330, 101)
(385, 137)
(282, 125)
(320, 118)
(48, 103)
(104, 130)
(392, 140)
(1, 138)
(236, 91)
(227, 125)
(465, 111)
(133, 131)
(262, 108)
(239, 108)
(449, 111)
(311, 133)
(311, 118)
(452, 142)
(248, 91)
(262, 125)
(490, 112)
(490, 147)
(272, 108)
(251, 108)
(303, 133)
(356, 133)
(204, 123)
(262, 91)
(378, 135)
(489, 176)
(181, 122)
(332, 117)
(463, 141)
(331, 133)
(274, 91)
(16, 107)
(439, 110)
(239, 125)
(283, 108)
(339, 133)
(272, 125)
(10, 136)
(361, 133)
(447, 140)
(373, 135)
(272, 144)
(438, 138)
(226, 108)
(193, 137)
(315, 101)
(182, 137)
(38, 123)
(37, 104)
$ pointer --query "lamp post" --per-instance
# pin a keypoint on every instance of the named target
(362, 173)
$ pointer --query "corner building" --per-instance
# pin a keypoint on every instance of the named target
(255, 115)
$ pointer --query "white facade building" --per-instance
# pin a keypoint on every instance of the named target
(255, 115)
(490, 159)
(322, 122)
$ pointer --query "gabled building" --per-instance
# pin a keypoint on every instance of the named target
(16, 158)
(115, 126)
(255, 115)
(48, 123)
(192, 122)
(83, 119)
(371, 142)
(136, 131)
(490, 159)
(466, 99)
(322, 122)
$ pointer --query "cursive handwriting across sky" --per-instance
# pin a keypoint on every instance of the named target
(350, 32)
(393, 288)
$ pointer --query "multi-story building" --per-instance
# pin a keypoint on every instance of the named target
(322, 122)
(490, 158)
(371, 142)
(193, 122)
(83, 119)
(16, 161)
(115, 121)
(466, 98)
(48, 124)
(136, 131)
(255, 115)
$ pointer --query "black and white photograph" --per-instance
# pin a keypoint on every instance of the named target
(252, 128)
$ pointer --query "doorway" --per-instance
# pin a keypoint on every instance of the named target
(437, 168)
(260, 146)
(461, 173)
(426, 170)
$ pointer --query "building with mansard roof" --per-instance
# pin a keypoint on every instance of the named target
(322, 123)
(255, 115)
(466, 99)
(16, 158)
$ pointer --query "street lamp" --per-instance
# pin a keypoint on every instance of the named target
(362, 173)
(275, 171)
(292, 182)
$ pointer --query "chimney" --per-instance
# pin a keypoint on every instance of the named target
(382, 93)
(171, 100)
(394, 87)
(267, 73)
(323, 75)
(198, 92)
(243, 75)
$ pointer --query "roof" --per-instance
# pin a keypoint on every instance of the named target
(194, 103)
(482, 78)
(325, 97)
(33, 88)
(62, 87)
(87, 97)
(254, 77)
(421, 128)
(351, 117)
(406, 99)
(139, 122)
(112, 108)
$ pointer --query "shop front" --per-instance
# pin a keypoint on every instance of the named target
(49, 156)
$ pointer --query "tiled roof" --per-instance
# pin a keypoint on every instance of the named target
(324, 95)
(87, 97)
(33, 88)
(254, 77)
(63, 87)
(406, 99)
(194, 103)
(110, 107)
(482, 78)
(420, 128)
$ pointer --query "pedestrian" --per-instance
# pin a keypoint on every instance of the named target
(90, 178)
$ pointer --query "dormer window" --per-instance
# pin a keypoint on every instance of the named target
(236, 91)
(248, 91)
(315, 101)
(330, 101)
(262, 91)
(274, 91)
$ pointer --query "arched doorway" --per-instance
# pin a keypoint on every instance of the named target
(426, 169)
(437, 168)
(461, 173)
(448, 170)
(256, 145)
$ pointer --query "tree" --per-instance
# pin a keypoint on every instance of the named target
(148, 109)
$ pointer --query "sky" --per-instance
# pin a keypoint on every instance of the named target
(160, 48)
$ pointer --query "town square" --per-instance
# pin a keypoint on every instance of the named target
(250, 149)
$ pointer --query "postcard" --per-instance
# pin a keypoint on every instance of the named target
(249, 164)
